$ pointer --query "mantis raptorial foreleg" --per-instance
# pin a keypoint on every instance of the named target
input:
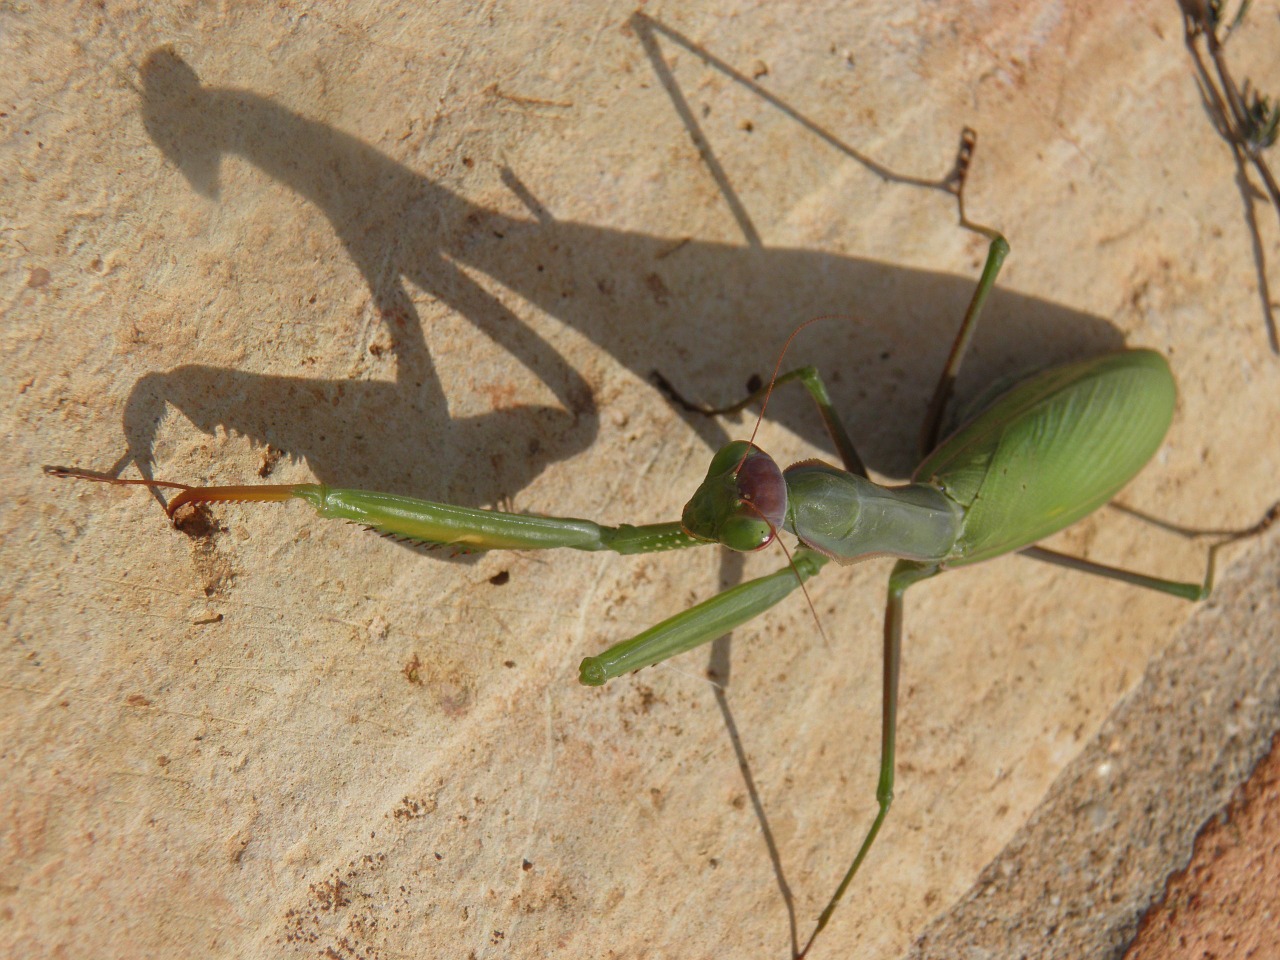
(427, 522)
(702, 623)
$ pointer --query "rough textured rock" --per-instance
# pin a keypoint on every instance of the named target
(1226, 902)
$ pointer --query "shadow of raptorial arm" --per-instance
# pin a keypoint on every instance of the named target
(394, 224)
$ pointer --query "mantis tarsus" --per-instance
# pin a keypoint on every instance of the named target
(1036, 458)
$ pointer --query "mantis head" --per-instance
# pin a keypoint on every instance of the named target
(742, 503)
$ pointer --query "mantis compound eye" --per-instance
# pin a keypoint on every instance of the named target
(745, 533)
(742, 503)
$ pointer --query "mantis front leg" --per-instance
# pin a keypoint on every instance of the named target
(702, 623)
(468, 528)
(427, 522)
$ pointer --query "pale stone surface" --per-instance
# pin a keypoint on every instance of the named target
(438, 249)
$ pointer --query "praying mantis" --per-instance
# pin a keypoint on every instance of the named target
(1032, 460)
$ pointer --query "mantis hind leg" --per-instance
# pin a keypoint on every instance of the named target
(904, 574)
(1177, 588)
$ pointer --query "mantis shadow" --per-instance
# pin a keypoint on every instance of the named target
(646, 300)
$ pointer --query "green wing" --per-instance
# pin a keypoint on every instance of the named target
(1052, 449)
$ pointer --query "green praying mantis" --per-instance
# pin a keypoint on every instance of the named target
(1034, 459)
